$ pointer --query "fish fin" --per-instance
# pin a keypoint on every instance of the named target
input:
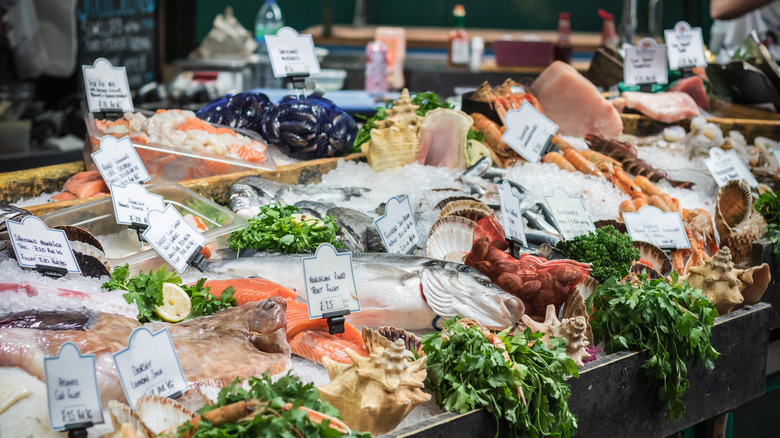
(384, 272)
(436, 294)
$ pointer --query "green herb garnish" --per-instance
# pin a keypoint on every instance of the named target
(273, 420)
(607, 250)
(276, 229)
(467, 371)
(768, 204)
(670, 323)
(146, 291)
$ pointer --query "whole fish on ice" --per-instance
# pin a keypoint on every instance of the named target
(403, 291)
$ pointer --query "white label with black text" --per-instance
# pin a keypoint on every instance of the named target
(511, 213)
(36, 244)
(118, 162)
(397, 227)
(172, 237)
(71, 388)
(330, 282)
(106, 86)
(528, 131)
(685, 46)
(662, 229)
(149, 365)
(291, 53)
(725, 166)
(645, 63)
(570, 214)
(132, 203)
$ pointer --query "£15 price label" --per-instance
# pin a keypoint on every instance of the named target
(330, 282)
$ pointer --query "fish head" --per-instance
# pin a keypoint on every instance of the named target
(269, 316)
(452, 293)
(454, 266)
(250, 193)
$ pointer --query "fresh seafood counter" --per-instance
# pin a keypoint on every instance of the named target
(288, 270)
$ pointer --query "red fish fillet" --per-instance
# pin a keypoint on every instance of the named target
(308, 338)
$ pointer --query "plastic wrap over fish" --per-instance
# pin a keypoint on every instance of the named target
(309, 127)
(242, 110)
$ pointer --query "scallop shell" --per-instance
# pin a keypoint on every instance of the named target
(587, 286)
(446, 201)
(466, 208)
(80, 234)
(384, 337)
(620, 226)
(737, 223)
(161, 413)
(126, 422)
(655, 255)
(450, 238)
(641, 268)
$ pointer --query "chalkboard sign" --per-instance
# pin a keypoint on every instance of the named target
(124, 32)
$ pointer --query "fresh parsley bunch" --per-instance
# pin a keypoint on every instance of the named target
(467, 371)
(277, 422)
(276, 229)
(768, 204)
(607, 250)
(670, 323)
(146, 291)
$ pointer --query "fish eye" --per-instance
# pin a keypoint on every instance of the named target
(269, 305)
(464, 268)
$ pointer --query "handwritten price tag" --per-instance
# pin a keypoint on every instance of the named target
(725, 166)
(172, 237)
(118, 162)
(291, 53)
(528, 131)
(106, 86)
(511, 213)
(397, 227)
(132, 203)
(330, 282)
(36, 244)
(71, 388)
(650, 224)
(685, 46)
(645, 63)
(149, 365)
(570, 214)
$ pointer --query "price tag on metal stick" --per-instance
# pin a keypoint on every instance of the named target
(685, 46)
(291, 53)
(106, 87)
(397, 227)
(570, 214)
(330, 283)
(39, 247)
(177, 241)
(662, 229)
(511, 213)
(132, 203)
(528, 132)
(725, 166)
(118, 162)
(149, 365)
(71, 389)
(645, 63)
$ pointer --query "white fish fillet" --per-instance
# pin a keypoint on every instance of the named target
(668, 107)
(23, 405)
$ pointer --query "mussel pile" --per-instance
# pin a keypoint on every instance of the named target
(242, 110)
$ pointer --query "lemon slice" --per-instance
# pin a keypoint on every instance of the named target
(176, 303)
(306, 219)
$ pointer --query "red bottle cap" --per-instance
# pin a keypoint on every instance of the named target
(563, 16)
(606, 15)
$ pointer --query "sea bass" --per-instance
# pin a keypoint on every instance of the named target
(250, 193)
(403, 291)
(213, 350)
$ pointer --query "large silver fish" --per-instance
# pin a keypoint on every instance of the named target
(403, 291)
(250, 193)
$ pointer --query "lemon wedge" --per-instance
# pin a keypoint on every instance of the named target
(306, 219)
(177, 305)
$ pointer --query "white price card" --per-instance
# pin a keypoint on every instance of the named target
(645, 63)
(330, 282)
(685, 46)
(528, 131)
(149, 365)
(71, 388)
(776, 154)
(36, 244)
(511, 213)
(397, 227)
(132, 203)
(291, 53)
(118, 162)
(106, 87)
(172, 237)
(570, 214)
(651, 224)
(725, 166)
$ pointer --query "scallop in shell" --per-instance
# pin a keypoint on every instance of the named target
(641, 268)
(89, 253)
(587, 286)
(465, 208)
(126, 422)
(737, 223)
(655, 255)
(620, 226)
(161, 413)
(446, 201)
(450, 238)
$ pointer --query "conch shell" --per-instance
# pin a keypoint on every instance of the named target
(727, 287)
(375, 393)
(394, 141)
(737, 223)
(572, 329)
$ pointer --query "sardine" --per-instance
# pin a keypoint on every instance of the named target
(403, 291)
(250, 193)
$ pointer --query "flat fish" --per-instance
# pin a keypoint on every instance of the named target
(308, 338)
(239, 342)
